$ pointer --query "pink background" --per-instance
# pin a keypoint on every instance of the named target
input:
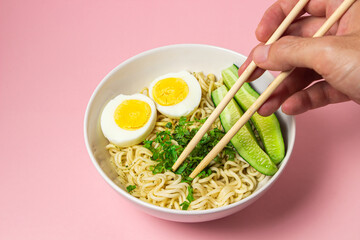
(52, 56)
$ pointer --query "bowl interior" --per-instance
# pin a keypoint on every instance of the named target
(134, 74)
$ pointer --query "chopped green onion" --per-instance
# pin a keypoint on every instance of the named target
(130, 188)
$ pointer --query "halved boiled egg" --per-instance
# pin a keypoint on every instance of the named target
(128, 119)
(176, 94)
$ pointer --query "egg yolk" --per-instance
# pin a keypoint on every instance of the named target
(170, 91)
(132, 114)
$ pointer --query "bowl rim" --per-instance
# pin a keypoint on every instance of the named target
(163, 209)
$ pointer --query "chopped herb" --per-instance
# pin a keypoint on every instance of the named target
(183, 122)
(201, 120)
(185, 205)
(190, 196)
(130, 188)
(165, 153)
(181, 169)
(230, 153)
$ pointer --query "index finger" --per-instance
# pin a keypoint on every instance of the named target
(277, 12)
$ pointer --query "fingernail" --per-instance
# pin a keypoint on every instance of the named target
(261, 54)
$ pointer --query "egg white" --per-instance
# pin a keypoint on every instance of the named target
(186, 106)
(122, 137)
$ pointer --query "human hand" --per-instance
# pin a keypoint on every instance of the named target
(334, 58)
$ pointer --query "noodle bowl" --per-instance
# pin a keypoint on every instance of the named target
(145, 67)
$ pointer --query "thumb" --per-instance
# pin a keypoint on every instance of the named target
(289, 52)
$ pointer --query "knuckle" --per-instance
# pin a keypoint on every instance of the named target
(286, 47)
(280, 51)
(323, 61)
(287, 41)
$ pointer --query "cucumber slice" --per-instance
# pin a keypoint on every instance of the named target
(244, 141)
(267, 127)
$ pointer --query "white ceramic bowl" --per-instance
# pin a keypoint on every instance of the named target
(135, 73)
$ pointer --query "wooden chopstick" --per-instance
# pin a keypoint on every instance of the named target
(235, 88)
(266, 94)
